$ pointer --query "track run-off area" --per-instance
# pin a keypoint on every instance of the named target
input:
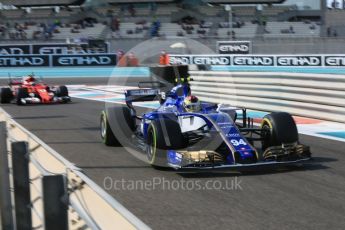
(308, 197)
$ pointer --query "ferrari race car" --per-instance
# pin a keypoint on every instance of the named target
(184, 133)
(31, 90)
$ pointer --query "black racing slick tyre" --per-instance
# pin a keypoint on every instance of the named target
(278, 128)
(5, 95)
(62, 91)
(117, 126)
(162, 135)
(107, 134)
(20, 94)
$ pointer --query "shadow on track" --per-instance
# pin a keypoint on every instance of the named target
(314, 164)
(71, 142)
(38, 117)
(69, 129)
(115, 167)
(39, 104)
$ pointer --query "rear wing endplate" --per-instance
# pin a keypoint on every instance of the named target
(151, 85)
(137, 95)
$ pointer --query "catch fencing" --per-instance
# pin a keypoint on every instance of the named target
(42, 190)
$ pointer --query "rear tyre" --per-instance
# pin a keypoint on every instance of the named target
(107, 134)
(277, 129)
(21, 94)
(162, 135)
(117, 126)
(5, 95)
(62, 91)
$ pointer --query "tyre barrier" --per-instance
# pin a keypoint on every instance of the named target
(49, 191)
(319, 96)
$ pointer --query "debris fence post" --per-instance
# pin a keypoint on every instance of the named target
(6, 210)
(21, 184)
(55, 209)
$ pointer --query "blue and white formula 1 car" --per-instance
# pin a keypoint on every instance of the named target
(184, 133)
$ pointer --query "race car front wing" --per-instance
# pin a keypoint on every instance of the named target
(36, 100)
(278, 155)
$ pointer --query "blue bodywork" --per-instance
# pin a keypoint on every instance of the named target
(237, 147)
(216, 121)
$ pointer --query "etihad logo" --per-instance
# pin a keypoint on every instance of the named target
(103, 60)
(180, 60)
(254, 61)
(234, 47)
(299, 61)
(11, 51)
(211, 60)
(22, 61)
(335, 60)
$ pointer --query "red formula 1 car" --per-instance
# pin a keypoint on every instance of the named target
(30, 90)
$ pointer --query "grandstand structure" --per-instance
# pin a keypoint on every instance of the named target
(120, 20)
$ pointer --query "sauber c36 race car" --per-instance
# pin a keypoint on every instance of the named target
(30, 90)
(186, 134)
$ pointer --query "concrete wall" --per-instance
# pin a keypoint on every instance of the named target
(260, 45)
(267, 45)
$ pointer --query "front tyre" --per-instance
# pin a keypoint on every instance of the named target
(21, 93)
(5, 95)
(163, 135)
(277, 129)
(62, 91)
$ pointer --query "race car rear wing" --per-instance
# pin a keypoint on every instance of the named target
(18, 80)
(151, 84)
(137, 95)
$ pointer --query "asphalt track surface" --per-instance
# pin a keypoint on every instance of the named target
(309, 197)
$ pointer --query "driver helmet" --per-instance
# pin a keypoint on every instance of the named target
(192, 104)
(30, 78)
